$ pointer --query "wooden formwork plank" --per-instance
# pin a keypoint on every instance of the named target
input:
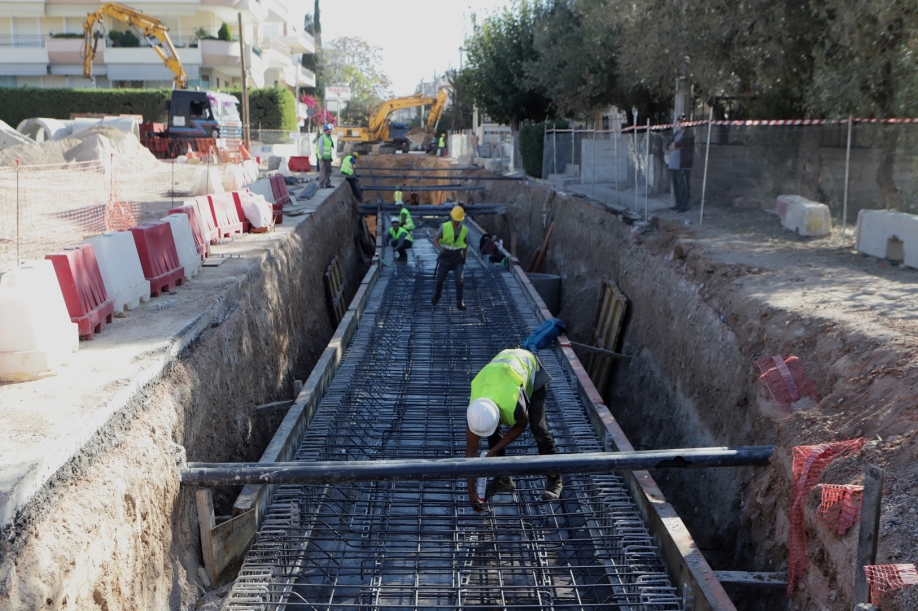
(231, 541)
(206, 522)
(334, 291)
(607, 325)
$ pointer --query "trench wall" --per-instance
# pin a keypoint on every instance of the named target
(113, 530)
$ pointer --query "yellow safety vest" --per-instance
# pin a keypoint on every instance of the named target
(393, 235)
(442, 143)
(449, 241)
(501, 380)
(347, 166)
(398, 196)
(326, 146)
(405, 217)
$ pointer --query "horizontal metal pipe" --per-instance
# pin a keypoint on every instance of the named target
(447, 187)
(443, 210)
(224, 474)
(446, 177)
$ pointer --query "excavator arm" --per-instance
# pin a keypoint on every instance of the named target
(436, 111)
(379, 122)
(150, 28)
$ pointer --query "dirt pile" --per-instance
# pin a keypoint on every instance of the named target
(96, 144)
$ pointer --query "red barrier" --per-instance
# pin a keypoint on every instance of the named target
(237, 201)
(299, 164)
(223, 208)
(279, 187)
(158, 256)
(211, 232)
(202, 245)
(84, 292)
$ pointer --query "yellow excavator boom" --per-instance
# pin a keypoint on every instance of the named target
(148, 26)
(378, 128)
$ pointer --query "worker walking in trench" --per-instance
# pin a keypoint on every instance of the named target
(399, 239)
(404, 216)
(325, 152)
(509, 391)
(450, 242)
(350, 175)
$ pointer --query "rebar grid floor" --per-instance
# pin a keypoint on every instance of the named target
(401, 392)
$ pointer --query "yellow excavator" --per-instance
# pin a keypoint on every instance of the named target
(381, 131)
(151, 29)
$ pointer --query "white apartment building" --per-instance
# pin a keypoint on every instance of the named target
(34, 53)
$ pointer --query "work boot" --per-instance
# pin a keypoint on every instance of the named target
(553, 487)
(436, 299)
(500, 484)
(460, 305)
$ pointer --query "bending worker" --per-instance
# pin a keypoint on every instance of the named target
(509, 391)
(450, 243)
(399, 239)
(404, 216)
(350, 175)
(325, 153)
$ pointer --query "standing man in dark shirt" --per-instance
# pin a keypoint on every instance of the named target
(681, 151)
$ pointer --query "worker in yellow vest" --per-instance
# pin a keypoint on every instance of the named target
(509, 391)
(441, 146)
(399, 239)
(450, 242)
(325, 153)
(404, 216)
(350, 175)
(398, 194)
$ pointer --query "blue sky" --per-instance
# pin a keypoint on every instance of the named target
(417, 37)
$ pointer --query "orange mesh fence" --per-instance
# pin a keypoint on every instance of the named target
(809, 463)
(45, 208)
(786, 380)
(840, 506)
(886, 578)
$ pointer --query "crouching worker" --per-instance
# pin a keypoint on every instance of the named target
(509, 391)
(404, 216)
(399, 239)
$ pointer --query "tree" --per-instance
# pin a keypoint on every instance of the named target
(356, 63)
(224, 33)
(499, 49)
(458, 115)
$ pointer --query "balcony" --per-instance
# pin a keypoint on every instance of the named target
(304, 77)
(302, 42)
(23, 8)
(142, 63)
(219, 52)
(23, 56)
(228, 9)
(70, 50)
(281, 75)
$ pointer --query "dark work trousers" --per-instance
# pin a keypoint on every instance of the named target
(537, 424)
(681, 188)
(325, 171)
(400, 246)
(451, 262)
(355, 187)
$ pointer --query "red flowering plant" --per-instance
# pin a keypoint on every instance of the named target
(319, 114)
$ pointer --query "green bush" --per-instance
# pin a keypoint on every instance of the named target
(532, 136)
(67, 35)
(123, 39)
(21, 103)
(271, 107)
(224, 33)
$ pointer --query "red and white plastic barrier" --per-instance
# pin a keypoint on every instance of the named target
(120, 267)
(202, 246)
(36, 333)
(188, 255)
(84, 291)
(223, 209)
(208, 225)
(158, 256)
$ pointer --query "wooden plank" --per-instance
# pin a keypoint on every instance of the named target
(206, 522)
(270, 408)
(777, 581)
(867, 537)
(231, 541)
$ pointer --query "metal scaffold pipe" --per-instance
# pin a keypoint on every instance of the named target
(225, 474)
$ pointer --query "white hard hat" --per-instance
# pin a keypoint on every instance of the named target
(394, 219)
(483, 417)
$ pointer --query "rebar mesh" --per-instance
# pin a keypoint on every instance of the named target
(401, 393)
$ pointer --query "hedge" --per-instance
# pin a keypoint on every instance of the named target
(532, 143)
(271, 108)
(21, 103)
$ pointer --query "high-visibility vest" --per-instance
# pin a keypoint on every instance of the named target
(449, 240)
(326, 146)
(347, 166)
(398, 196)
(394, 235)
(442, 143)
(405, 217)
(501, 381)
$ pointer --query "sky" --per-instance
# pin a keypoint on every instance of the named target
(416, 37)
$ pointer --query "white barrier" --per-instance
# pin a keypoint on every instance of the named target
(36, 334)
(206, 180)
(806, 217)
(234, 177)
(888, 235)
(122, 274)
(263, 187)
(184, 243)
(251, 170)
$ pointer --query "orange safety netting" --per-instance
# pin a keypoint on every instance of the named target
(840, 506)
(885, 578)
(786, 379)
(809, 463)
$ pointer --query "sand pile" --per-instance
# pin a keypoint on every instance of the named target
(96, 144)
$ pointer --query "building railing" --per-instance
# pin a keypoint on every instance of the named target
(22, 40)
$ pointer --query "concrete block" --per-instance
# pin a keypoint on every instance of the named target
(263, 187)
(207, 180)
(122, 274)
(184, 244)
(36, 333)
(806, 217)
(888, 235)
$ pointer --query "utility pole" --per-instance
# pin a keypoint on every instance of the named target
(246, 140)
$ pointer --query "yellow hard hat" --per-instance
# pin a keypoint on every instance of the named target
(457, 214)
(442, 134)
(356, 155)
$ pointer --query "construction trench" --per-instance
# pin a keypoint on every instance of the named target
(118, 530)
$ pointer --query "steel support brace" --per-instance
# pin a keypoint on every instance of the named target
(223, 474)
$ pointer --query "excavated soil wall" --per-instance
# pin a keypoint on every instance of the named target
(114, 529)
(693, 332)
